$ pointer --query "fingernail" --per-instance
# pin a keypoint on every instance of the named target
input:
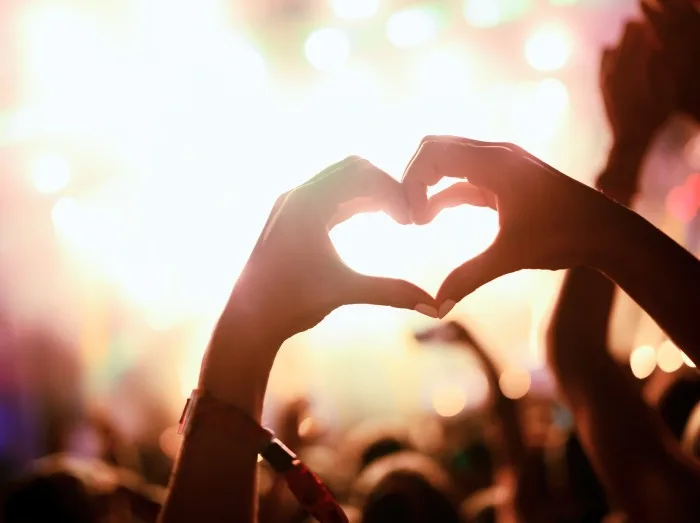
(445, 308)
(427, 310)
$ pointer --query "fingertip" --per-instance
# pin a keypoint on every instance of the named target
(446, 307)
(427, 310)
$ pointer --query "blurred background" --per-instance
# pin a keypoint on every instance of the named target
(143, 142)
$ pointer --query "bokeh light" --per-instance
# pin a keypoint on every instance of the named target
(327, 49)
(482, 13)
(412, 27)
(50, 173)
(643, 361)
(354, 9)
(449, 400)
(669, 357)
(515, 383)
(548, 48)
(490, 13)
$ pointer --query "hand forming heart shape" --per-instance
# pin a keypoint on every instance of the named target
(295, 275)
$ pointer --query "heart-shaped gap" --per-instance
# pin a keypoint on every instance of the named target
(374, 244)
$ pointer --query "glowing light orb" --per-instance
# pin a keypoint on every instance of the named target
(448, 401)
(327, 49)
(548, 49)
(354, 9)
(515, 383)
(669, 357)
(643, 361)
(411, 28)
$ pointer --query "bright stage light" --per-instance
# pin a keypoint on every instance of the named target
(50, 173)
(548, 49)
(327, 49)
(412, 27)
(643, 361)
(354, 9)
(482, 13)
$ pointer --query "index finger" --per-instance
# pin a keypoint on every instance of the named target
(482, 163)
(351, 187)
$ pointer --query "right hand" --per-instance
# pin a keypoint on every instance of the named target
(637, 92)
(676, 23)
(547, 220)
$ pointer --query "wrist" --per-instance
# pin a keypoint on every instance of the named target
(622, 229)
(239, 358)
(620, 177)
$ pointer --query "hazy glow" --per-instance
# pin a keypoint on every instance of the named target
(202, 143)
(248, 62)
(327, 49)
(669, 357)
(50, 173)
(449, 400)
(515, 383)
(412, 27)
(548, 49)
(66, 216)
(354, 9)
(643, 361)
(442, 74)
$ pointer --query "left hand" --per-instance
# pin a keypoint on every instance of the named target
(294, 276)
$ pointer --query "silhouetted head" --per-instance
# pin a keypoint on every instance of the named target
(406, 487)
(64, 488)
(373, 440)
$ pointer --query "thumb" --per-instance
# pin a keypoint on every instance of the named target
(390, 292)
(471, 275)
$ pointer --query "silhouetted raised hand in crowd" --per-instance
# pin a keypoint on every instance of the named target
(634, 454)
(676, 26)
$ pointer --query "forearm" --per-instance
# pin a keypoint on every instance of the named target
(660, 275)
(635, 452)
(215, 476)
(505, 408)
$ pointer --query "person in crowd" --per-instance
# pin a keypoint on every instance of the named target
(635, 454)
(405, 486)
(78, 490)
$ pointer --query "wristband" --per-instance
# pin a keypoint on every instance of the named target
(307, 488)
(202, 409)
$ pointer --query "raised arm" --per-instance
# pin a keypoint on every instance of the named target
(506, 409)
(293, 279)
